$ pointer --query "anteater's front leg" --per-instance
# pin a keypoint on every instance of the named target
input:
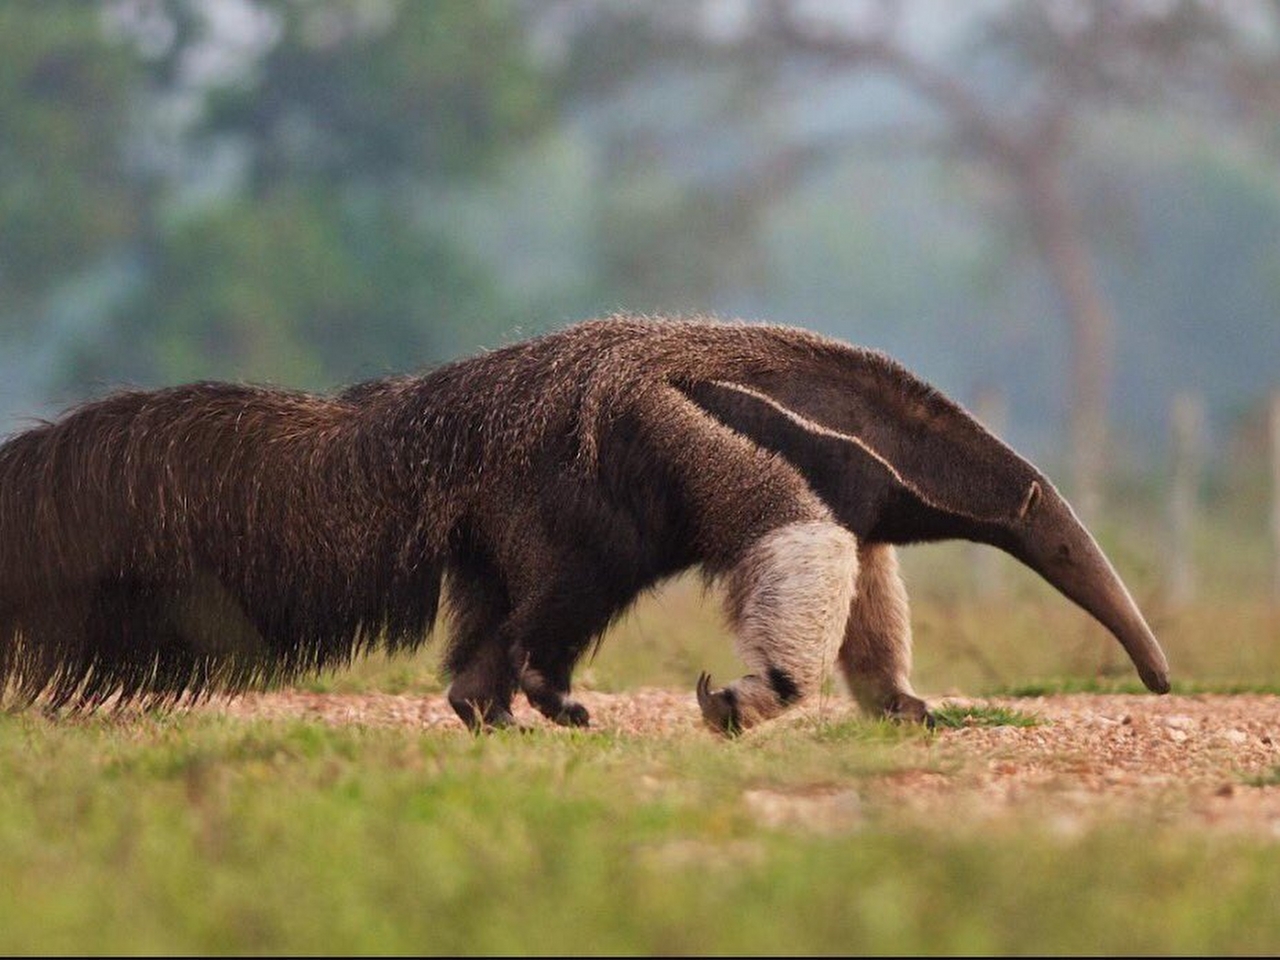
(875, 657)
(790, 567)
(788, 601)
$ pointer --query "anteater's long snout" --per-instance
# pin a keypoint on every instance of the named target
(1115, 610)
(1058, 547)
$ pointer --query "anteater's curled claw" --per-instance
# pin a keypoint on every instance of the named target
(719, 708)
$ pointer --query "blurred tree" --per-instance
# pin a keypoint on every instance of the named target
(1012, 99)
(382, 90)
(69, 195)
(311, 252)
(1058, 58)
(294, 289)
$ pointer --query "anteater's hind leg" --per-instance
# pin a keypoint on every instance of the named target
(534, 647)
(483, 676)
(547, 667)
(547, 688)
(550, 639)
(875, 657)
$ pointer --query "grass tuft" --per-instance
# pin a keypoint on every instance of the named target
(1269, 779)
(983, 715)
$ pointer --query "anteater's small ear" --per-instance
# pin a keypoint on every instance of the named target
(1030, 500)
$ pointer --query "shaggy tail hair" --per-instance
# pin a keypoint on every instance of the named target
(161, 545)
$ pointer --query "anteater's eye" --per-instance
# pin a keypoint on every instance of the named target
(1064, 552)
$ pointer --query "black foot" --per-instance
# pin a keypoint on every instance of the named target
(719, 708)
(908, 709)
(572, 714)
(490, 718)
(558, 708)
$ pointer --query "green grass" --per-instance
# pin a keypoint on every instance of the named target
(1109, 685)
(192, 833)
(983, 715)
(1269, 779)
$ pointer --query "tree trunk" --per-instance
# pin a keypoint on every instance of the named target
(1060, 240)
(1275, 495)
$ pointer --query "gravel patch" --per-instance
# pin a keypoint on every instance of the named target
(1175, 758)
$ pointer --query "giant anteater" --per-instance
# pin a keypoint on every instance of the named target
(158, 545)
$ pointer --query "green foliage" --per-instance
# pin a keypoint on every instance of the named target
(294, 288)
(383, 92)
(330, 265)
(1269, 779)
(983, 715)
(311, 252)
(195, 834)
(66, 194)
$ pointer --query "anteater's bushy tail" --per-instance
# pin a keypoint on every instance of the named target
(165, 544)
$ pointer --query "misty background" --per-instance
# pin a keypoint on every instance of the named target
(1065, 214)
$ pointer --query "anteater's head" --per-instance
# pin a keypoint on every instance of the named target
(1046, 535)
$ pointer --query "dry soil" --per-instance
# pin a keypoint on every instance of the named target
(1207, 760)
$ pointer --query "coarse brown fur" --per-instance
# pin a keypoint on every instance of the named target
(161, 544)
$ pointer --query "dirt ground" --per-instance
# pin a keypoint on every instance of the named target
(1176, 758)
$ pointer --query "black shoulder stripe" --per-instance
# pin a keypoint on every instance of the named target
(814, 448)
